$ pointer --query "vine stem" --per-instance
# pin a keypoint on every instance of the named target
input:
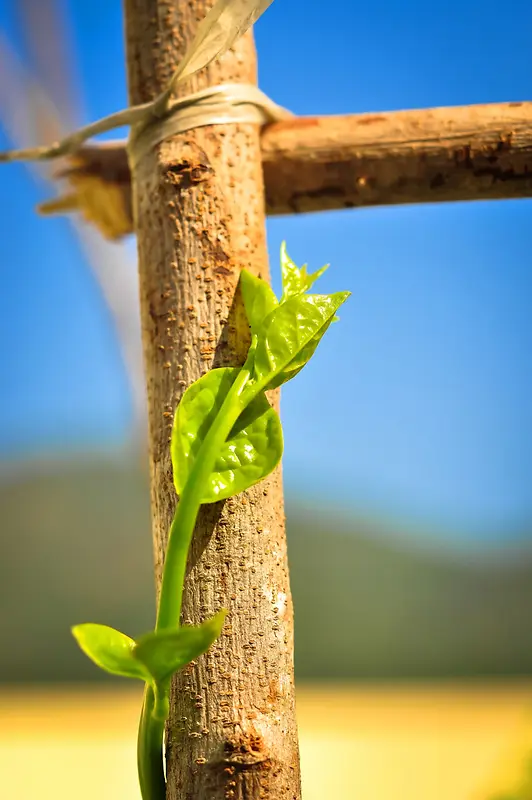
(151, 727)
(150, 750)
(182, 527)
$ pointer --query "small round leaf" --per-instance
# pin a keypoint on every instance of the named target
(110, 650)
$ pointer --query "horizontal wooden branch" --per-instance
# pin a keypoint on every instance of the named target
(317, 163)
(422, 156)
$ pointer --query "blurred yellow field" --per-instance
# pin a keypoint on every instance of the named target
(369, 742)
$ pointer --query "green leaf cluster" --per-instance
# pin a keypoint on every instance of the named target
(285, 335)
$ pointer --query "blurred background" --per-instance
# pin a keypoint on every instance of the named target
(408, 459)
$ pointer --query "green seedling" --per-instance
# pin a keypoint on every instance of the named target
(226, 437)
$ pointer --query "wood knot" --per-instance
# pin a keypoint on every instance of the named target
(187, 173)
(246, 753)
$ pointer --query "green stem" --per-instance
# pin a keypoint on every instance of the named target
(150, 750)
(151, 726)
(182, 528)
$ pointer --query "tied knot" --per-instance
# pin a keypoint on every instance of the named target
(218, 105)
(151, 123)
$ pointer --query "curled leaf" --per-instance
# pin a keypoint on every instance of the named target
(302, 358)
(110, 650)
(291, 334)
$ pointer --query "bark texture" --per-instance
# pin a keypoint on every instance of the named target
(199, 214)
(422, 156)
(318, 163)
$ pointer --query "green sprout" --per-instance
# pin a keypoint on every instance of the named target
(226, 437)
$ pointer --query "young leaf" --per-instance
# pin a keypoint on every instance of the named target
(252, 450)
(291, 275)
(295, 280)
(290, 333)
(194, 416)
(164, 652)
(303, 357)
(259, 299)
(309, 280)
(110, 650)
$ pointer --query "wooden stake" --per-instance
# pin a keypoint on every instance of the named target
(423, 156)
(317, 163)
(198, 205)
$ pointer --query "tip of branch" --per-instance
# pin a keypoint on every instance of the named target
(31, 154)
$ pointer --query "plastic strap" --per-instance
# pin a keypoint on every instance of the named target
(153, 122)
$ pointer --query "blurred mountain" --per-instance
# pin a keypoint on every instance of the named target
(76, 546)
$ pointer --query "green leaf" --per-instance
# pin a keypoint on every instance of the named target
(295, 280)
(302, 358)
(110, 650)
(164, 652)
(291, 334)
(309, 280)
(252, 450)
(291, 275)
(194, 416)
(259, 299)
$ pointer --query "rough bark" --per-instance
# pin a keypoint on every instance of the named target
(422, 156)
(317, 163)
(199, 214)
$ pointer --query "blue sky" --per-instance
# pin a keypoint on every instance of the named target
(418, 404)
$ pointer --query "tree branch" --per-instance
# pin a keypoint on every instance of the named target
(319, 163)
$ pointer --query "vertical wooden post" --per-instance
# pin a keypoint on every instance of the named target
(199, 215)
